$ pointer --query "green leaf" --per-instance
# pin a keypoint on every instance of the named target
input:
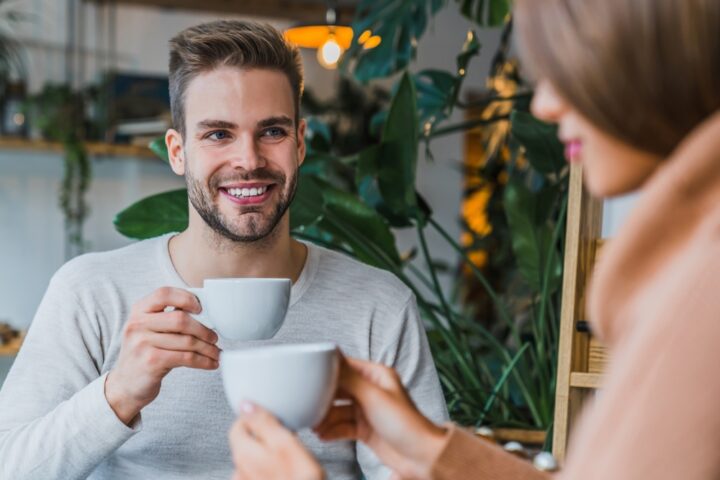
(531, 241)
(398, 158)
(308, 206)
(159, 148)
(162, 213)
(544, 150)
(486, 13)
(400, 24)
(353, 223)
(470, 49)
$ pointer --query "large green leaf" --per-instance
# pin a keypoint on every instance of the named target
(400, 24)
(159, 148)
(347, 218)
(487, 13)
(308, 205)
(162, 213)
(544, 150)
(397, 164)
(531, 240)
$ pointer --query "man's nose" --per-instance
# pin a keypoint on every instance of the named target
(246, 154)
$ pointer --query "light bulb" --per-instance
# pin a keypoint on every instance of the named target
(329, 53)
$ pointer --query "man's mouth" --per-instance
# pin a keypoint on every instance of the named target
(248, 195)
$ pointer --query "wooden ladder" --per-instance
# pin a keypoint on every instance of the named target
(581, 359)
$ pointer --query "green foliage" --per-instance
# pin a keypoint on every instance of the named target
(485, 12)
(57, 111)
(152, 216)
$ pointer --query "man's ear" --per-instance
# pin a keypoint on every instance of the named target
(301, 150)
(176, 152)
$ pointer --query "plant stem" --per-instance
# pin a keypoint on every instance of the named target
(458, 127)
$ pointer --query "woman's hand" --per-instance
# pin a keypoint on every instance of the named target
(265, 450)
(382, 415)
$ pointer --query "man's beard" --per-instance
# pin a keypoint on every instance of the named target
(254, 228)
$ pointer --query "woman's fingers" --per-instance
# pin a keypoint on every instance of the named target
(340, 422)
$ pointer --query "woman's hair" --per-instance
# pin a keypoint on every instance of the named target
(644, 71)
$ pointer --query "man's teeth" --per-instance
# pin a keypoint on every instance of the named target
(247, 192)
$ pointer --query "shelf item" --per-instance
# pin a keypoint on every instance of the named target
(12, 347)
(93, 148)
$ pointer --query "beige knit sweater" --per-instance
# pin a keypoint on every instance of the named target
(655, 302)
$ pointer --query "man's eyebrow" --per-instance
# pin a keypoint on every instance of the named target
(281, 121)
(208, 124)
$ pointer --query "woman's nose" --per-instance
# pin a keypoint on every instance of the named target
(547, 105)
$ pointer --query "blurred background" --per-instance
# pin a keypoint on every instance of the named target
(472, 222)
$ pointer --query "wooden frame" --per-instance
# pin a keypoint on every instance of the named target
(580, 358)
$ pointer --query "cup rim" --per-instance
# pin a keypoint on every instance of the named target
(246, 280)
(282, 349)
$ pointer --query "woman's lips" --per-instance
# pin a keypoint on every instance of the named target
(573, 148)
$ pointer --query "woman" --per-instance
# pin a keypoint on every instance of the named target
(634, 87)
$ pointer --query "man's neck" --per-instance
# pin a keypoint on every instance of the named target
(199, 253)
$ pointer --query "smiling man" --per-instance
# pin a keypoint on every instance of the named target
(112, 384)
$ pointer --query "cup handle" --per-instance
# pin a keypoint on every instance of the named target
(201, 317)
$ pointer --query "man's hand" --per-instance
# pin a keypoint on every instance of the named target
(382, 415)
(154, 342)
(262, 449)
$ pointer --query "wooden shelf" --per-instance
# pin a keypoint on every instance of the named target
(585, 380)
(93, 148)
(11, 348)
(304, 11)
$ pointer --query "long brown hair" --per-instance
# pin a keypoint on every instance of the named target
(645, 71)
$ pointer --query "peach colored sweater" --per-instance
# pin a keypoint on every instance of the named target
(655, 302)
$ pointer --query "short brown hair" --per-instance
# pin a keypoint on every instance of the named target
(645, 71)
(233, 43)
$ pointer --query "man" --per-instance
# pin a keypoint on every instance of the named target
(98, 389)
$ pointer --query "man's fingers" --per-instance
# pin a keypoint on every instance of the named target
(178, 322)
(183, 343)
(165, 297)
(169, 359)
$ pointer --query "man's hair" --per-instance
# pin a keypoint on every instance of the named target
(233, 43)
(645, 71)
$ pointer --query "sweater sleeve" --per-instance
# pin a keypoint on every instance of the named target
(406, 349)
(54, 419)
(466, 457)
(657, 416)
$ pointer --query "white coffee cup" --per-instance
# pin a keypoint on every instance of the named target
(296, 383)
(243, 308)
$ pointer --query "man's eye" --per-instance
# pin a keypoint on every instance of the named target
(274, 132)
(217, 135)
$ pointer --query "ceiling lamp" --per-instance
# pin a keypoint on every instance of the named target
(330, 40)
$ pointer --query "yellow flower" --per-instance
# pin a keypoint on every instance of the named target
(478, 258)
(474, 212)
(466, 239)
